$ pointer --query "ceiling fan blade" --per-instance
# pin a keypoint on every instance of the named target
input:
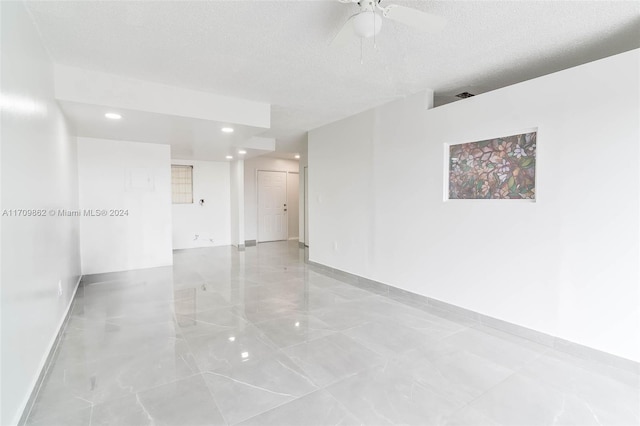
(414, 18)
(345, 34)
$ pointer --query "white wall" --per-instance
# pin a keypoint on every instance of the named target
(305, 209)
(341, 194)
(130, 176)
(566, 265)
(237, 202)
(211, 222)
(251, 168)
(38, 169)
(303, 227)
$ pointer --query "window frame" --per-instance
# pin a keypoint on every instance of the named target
(182, 194)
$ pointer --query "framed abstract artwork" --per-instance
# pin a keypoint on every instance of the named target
(499, 168)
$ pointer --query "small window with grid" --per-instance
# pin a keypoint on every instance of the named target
(181, 184)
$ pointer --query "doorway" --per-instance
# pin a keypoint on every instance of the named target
(272, 206)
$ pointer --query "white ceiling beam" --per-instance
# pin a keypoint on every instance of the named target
(89, 87)
(258, 142)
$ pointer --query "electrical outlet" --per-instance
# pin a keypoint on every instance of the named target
(59, 288)
(335, 246)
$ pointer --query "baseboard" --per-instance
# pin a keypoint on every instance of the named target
(301, 244)
(456, 312)
(250, 243)
(241, 247)
(46, 361)
(293, 239)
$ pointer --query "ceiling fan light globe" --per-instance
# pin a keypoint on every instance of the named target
(367, 24)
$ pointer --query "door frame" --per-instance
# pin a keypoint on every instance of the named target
(286, 197)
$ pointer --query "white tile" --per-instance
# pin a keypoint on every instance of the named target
(269, 341)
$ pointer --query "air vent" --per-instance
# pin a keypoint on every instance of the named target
(464, 95)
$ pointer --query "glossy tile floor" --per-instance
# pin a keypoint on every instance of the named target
(258, 338)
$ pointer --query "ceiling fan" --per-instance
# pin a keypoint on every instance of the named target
(368, 21)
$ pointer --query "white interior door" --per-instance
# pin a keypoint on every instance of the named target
(293, 182)
(272, 206)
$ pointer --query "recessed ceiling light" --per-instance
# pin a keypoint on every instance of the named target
(227, 129)
(297, 156)
(113, 116)
(229, 157)
(242, 152)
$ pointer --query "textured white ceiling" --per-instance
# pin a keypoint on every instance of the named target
(278, 51)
